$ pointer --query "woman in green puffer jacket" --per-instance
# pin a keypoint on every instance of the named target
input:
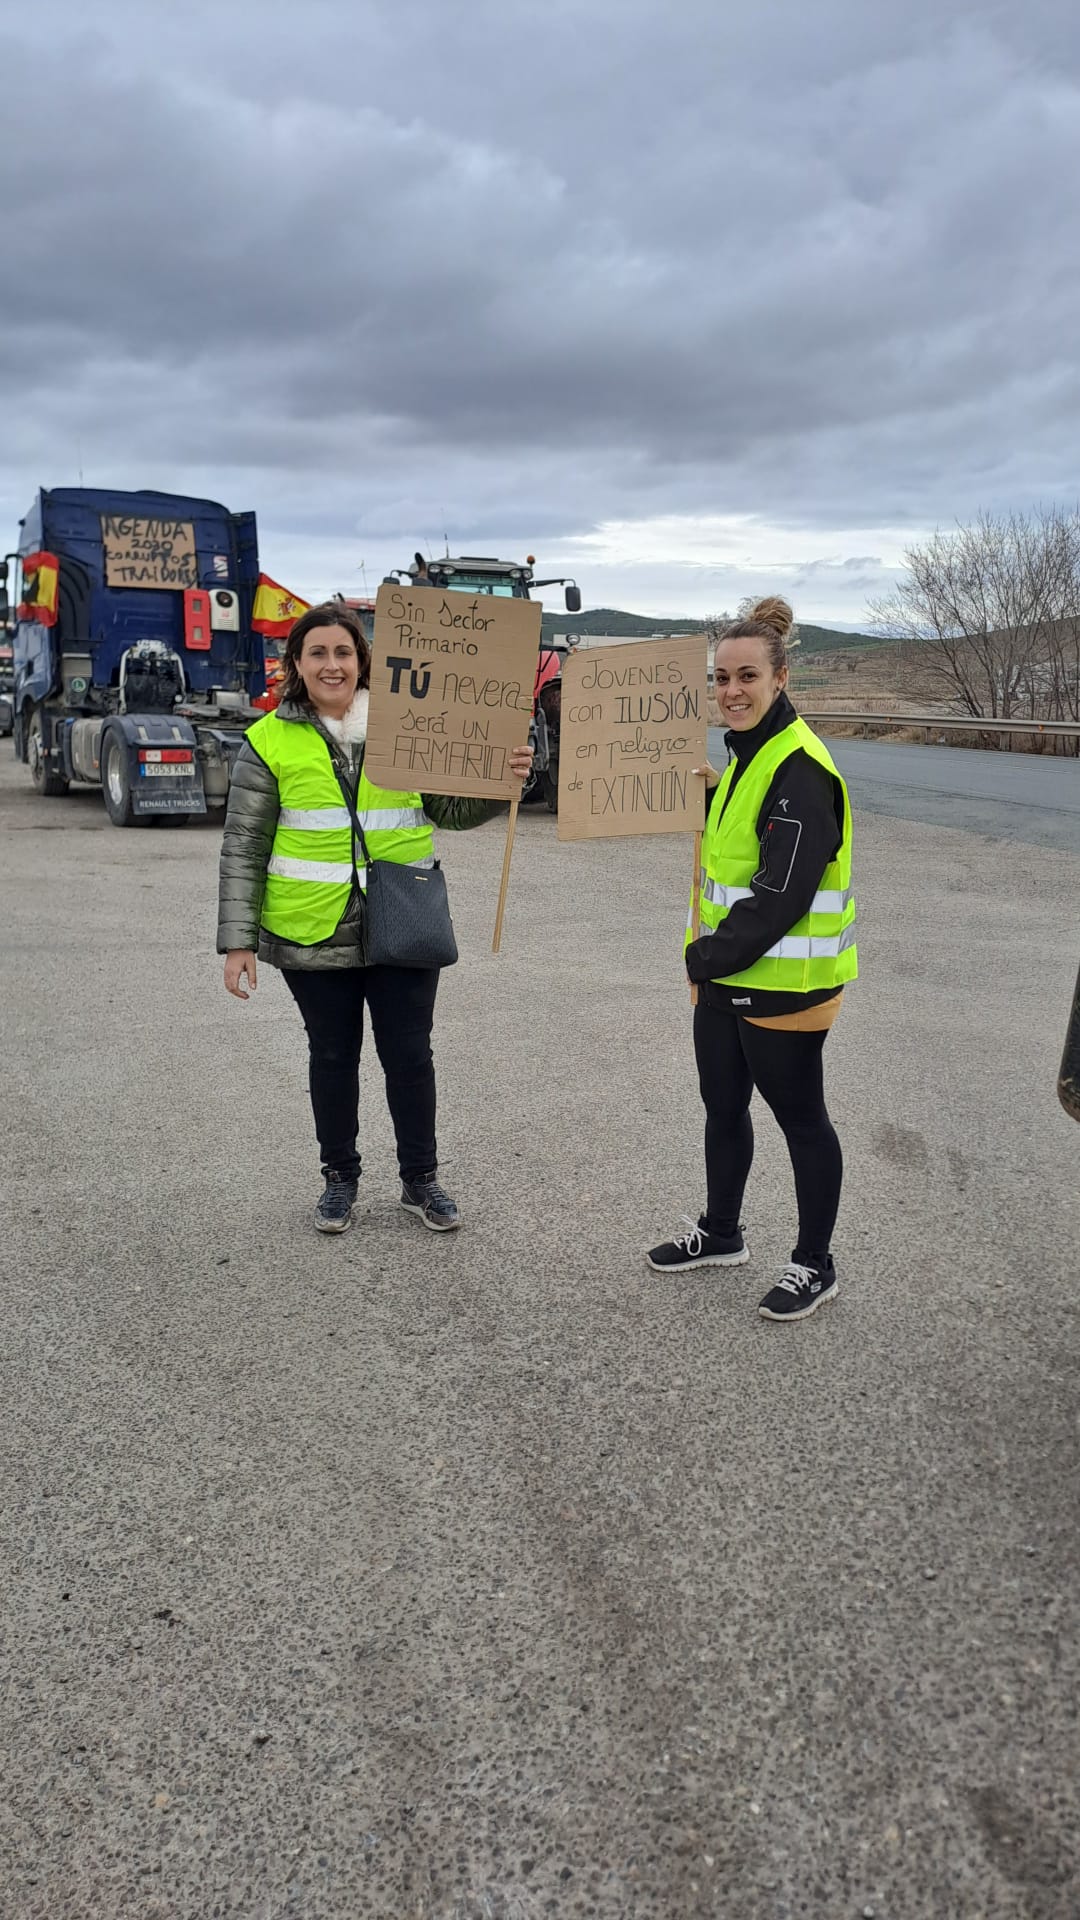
(288, 895)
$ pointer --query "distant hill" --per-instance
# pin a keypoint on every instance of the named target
(610, 620)
(604, 620)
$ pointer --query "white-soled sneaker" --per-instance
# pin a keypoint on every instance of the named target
(799, 1291)
(426, 1199)
(698, 1248)
(334, 1212)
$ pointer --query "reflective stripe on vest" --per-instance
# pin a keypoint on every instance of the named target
(826, 900)
(373, 819)
(337, 873)
(309, 877)
(819, 950)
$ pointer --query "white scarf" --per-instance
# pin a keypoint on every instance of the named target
(351, 729)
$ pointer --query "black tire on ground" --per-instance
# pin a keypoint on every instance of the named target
(48, 783)
(551, 790)
(116, 781)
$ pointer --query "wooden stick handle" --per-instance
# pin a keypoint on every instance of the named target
(695, 905)
(510, 827)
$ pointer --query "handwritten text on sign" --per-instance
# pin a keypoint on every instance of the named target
(634, 727)
(452, 677)
(148, 553)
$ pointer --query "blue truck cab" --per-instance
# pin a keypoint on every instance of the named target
(139, 674)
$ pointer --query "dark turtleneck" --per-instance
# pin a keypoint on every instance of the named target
(778, 899)
(744, 745)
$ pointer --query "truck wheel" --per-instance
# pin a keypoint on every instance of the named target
(116, 782)
(45, 780)
(551, 789)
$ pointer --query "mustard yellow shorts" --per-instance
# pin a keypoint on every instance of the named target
(809, 1020)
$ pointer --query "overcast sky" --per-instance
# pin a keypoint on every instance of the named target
(691, 299)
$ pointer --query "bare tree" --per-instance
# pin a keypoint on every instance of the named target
(993, 612)
(1061, 669)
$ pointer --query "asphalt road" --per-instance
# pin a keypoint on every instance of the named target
(1033, 799)
(494, 1578)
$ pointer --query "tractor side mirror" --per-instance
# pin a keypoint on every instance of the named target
(573, 599)
(5, 607)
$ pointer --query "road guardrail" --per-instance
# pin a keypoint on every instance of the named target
(942, 723)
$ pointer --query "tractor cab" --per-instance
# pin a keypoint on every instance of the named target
(479, 573)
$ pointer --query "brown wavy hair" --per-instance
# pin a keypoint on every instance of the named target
(770, 620)
(329, 613)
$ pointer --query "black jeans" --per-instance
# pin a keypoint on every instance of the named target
(401, 1001)
(733, 1058)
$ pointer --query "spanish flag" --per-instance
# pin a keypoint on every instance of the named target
(275, 610)
(41, 585)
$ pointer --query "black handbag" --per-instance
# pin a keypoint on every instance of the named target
(406, 909)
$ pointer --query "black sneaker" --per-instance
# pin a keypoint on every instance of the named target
(699, 1248)
(799, 1291)
(426, 1198)
(334, 1211)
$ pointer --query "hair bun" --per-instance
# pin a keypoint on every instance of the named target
(775, 614)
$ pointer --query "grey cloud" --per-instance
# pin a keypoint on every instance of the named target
(542, 272)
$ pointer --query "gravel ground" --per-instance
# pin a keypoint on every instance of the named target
(494, 1577)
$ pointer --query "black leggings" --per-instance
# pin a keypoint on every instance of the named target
(401, 1001)
(733, 1058)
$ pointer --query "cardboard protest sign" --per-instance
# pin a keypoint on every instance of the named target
(148, 553)
(634, 726)
(452, 677)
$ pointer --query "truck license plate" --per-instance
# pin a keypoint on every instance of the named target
(185, 768)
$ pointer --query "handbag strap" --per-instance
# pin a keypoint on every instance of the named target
(350, 802)
(349, 798)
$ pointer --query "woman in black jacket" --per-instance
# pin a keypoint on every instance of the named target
(777, 945)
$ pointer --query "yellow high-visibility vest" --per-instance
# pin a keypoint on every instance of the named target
(819, 950)
(310, 875)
